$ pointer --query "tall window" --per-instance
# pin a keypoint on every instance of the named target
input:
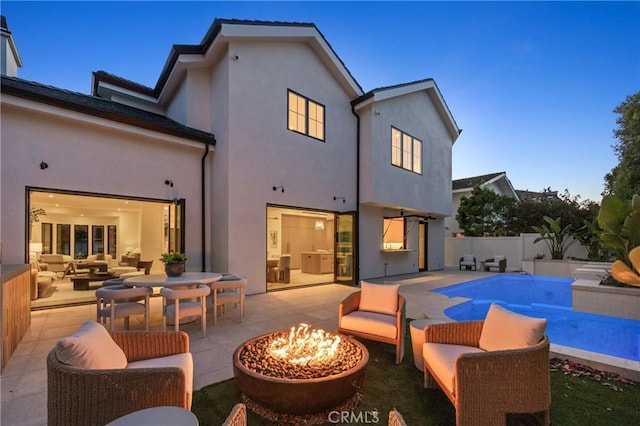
(406, 151)
(112, 240)
(47, 238)
(97, 239)
(305, 116)
(63, 239)
(81, 241)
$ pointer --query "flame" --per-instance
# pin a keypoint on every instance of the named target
(305, 345)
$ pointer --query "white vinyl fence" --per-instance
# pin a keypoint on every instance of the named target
(516, 249)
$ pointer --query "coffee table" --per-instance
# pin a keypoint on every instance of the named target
(82, 282)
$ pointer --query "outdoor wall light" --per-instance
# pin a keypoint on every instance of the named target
(281, 188)
(43, 165)
(168, 182)
(339, 198)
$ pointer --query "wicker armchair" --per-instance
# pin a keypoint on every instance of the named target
(77, 396)
(488, 385)
(237, 416)
(499, 262)
(367, 325)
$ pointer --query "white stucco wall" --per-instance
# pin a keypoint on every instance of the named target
(93, 155)
(260, 152)
(385, 184)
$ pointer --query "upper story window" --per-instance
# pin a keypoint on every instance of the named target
(406, 151)
(305, 116)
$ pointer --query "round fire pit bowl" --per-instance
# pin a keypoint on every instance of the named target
(299, 396)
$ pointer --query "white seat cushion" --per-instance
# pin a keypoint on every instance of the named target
(124, 309)
(184, 361)
(186, 309)
(370, 322)
(380, 298)
(441, 359)
(504, 329)
(90, 347)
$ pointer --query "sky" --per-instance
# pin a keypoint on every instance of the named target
(533, 85)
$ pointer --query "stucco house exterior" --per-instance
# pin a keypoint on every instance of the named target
(498, 182)
(258, 122)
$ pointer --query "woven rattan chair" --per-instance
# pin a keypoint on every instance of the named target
(368, 326)
(396, 419)
(237, 416)
(78, 396)
(488, 385)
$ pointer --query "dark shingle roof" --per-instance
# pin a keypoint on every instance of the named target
(470, 182)
(99, 107)
(207, 40)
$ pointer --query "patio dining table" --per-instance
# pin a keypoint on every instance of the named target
(186, 280)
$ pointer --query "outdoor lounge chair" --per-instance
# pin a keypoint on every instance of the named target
(94, 376)
(490, 368)
(499, 262)
(469, 262)
(377, 312)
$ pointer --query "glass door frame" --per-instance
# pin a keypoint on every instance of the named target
(339, 246)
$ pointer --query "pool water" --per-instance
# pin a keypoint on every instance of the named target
(550, 298)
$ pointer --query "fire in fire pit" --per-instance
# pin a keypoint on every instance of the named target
(300, 371)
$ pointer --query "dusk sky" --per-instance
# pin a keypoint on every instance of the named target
(533, 85)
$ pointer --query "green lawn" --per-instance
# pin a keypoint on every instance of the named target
(577, 399)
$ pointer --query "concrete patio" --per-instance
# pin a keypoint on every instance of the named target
(24, 380)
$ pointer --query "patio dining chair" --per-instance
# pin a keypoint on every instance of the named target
(120, 301)
(184, 305)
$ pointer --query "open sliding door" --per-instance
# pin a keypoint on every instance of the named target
(345, 250)
(176, 226)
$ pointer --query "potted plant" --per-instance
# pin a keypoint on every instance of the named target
(173, 263)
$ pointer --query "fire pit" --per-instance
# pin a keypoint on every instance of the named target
(301, 371)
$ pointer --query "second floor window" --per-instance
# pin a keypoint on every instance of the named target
(305, 116)
(406, 151)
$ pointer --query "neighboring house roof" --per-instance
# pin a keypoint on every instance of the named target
(4, 30)
(535, 196)
(499, 179)
(99, 107)
(218, 35)
(470, 182)
(428, 85)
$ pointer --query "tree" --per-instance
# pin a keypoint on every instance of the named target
(525, 214)
(624, 178)
(483, 212)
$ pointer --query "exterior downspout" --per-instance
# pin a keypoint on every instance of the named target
(203, 197)
(357, 239)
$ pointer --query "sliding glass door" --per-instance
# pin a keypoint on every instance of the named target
(345, 250)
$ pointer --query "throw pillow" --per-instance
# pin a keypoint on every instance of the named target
(100, 256)
(504, 329)
(380, 298)
(91, 347)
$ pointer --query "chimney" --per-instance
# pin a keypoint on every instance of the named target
(9, 58)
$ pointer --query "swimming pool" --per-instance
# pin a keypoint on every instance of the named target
(550, 298)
